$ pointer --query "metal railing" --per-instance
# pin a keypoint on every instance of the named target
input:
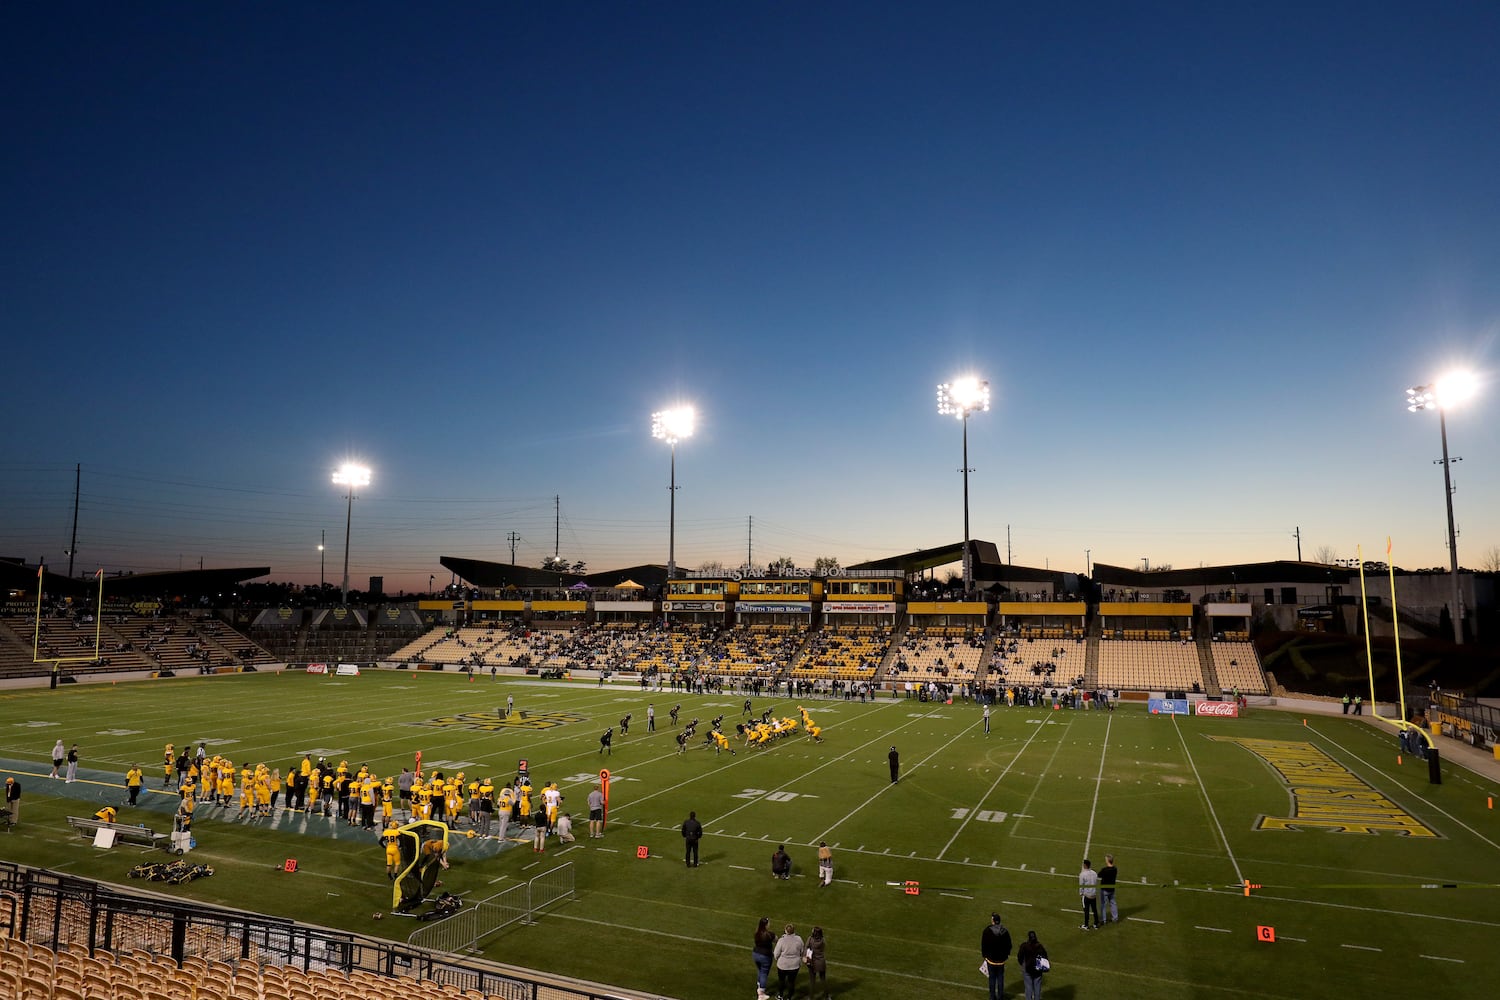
(473, 923)
(62, 911)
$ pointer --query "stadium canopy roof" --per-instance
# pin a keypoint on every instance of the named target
(1239, 574)
(17, 576)
(498, 575)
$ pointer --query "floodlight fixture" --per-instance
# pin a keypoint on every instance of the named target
(350, 475)
(964, 395)
(672, 425)
(1451, 389)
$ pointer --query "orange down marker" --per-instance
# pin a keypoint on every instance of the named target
(1266, 934)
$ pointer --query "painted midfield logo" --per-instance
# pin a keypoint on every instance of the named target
(494, 722)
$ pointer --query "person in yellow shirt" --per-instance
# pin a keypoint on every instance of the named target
(262, 786)
(247, 790)
(133, 779)
(721, 743)
(391, 840)
(314, 789)
(168, 765)
(387, 802)
(106, 815)
(275, 785)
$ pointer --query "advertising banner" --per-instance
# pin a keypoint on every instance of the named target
(347, 670)
(317, 668)
(1224, 709)
(1168, 706)
(859, 608)
(766, 608)
(693, 606)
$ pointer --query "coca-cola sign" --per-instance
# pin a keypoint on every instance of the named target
(1227, 709)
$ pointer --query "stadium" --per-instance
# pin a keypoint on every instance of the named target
(1192, 725)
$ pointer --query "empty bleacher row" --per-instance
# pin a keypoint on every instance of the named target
(188, 643)
(1238, 667)
(1150, 665)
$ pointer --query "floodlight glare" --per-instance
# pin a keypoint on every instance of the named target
(673, 425)
(963, 396)
(350, 474)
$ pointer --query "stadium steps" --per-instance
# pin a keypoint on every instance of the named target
(1091, 658)
(1211, 685)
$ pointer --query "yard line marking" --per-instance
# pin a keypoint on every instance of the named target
(1286, 937)
(1218, 930)
(743, 868)
(1203, 791)
(1360, 947)
(989, 791)
(1011, 902)
(955, 895)
(1440, 958)
(1088, 838)
(1144, 920)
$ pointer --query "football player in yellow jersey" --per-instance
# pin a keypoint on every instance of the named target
(314, 789)
(391, 840)
(225, 791)
(247, 790)
(168, 765)
(387, 801)
(721, 743)
(551, 802)
(329, 795)
(262, 790)
(525, 798)
(133, 779)
(483, 802)
(504, 802)
(106, 815)
(473, 791)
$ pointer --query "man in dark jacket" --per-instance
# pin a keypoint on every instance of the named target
(994, 945)
(692, 832)
(895, 759)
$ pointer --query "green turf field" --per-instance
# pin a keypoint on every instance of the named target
(981, 823)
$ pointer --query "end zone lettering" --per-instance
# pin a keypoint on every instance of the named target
(493, 722)
(1326, 795)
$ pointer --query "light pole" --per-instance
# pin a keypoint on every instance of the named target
(1088, 566)
(1439, 395)
(350, 476)
(960, 398)
(322, 559)
(671, 426)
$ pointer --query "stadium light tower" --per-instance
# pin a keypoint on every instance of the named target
(960, 398)
(671, 426)
(349, 476)
(322, 558)
(1451, 389)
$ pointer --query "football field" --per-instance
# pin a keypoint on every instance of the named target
(1366, 876)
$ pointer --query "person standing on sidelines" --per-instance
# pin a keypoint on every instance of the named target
(133, 779)
(596, 812)
(1028, 957)
(1088, 891)
(12, 803)
(762, 953)
(59, 754)
(817, 963)
(650, 718)
(994, 945)
(1108, 876)
(789, 955)
(692, 832)
(986, 718)
(895, 761)
(73, 764)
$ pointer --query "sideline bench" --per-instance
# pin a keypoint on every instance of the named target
(87, 826)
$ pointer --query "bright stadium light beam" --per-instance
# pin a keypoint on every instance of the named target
(959, 398)
(1451, 389)
(350, 476)
(673, 425)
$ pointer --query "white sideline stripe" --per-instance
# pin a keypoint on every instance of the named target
(1221, 930)
(969, 816)
(1360, 947)
(1239, 876)
(1440, 958)
(1088, 838)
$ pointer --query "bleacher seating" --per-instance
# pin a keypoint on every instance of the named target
(749, 650)
(946, 654)
(1028, 659)
(1149, 665)
(845, 654)
(36, 972)
(1237, 666)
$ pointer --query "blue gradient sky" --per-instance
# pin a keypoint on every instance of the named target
(1198, 250)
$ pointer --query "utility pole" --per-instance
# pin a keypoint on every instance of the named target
(73, 545)
(513, 538)
(1008, 560)
(749, 535)
(556, 527)
(1297, 534)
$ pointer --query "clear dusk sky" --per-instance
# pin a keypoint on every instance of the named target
(1199, 251)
